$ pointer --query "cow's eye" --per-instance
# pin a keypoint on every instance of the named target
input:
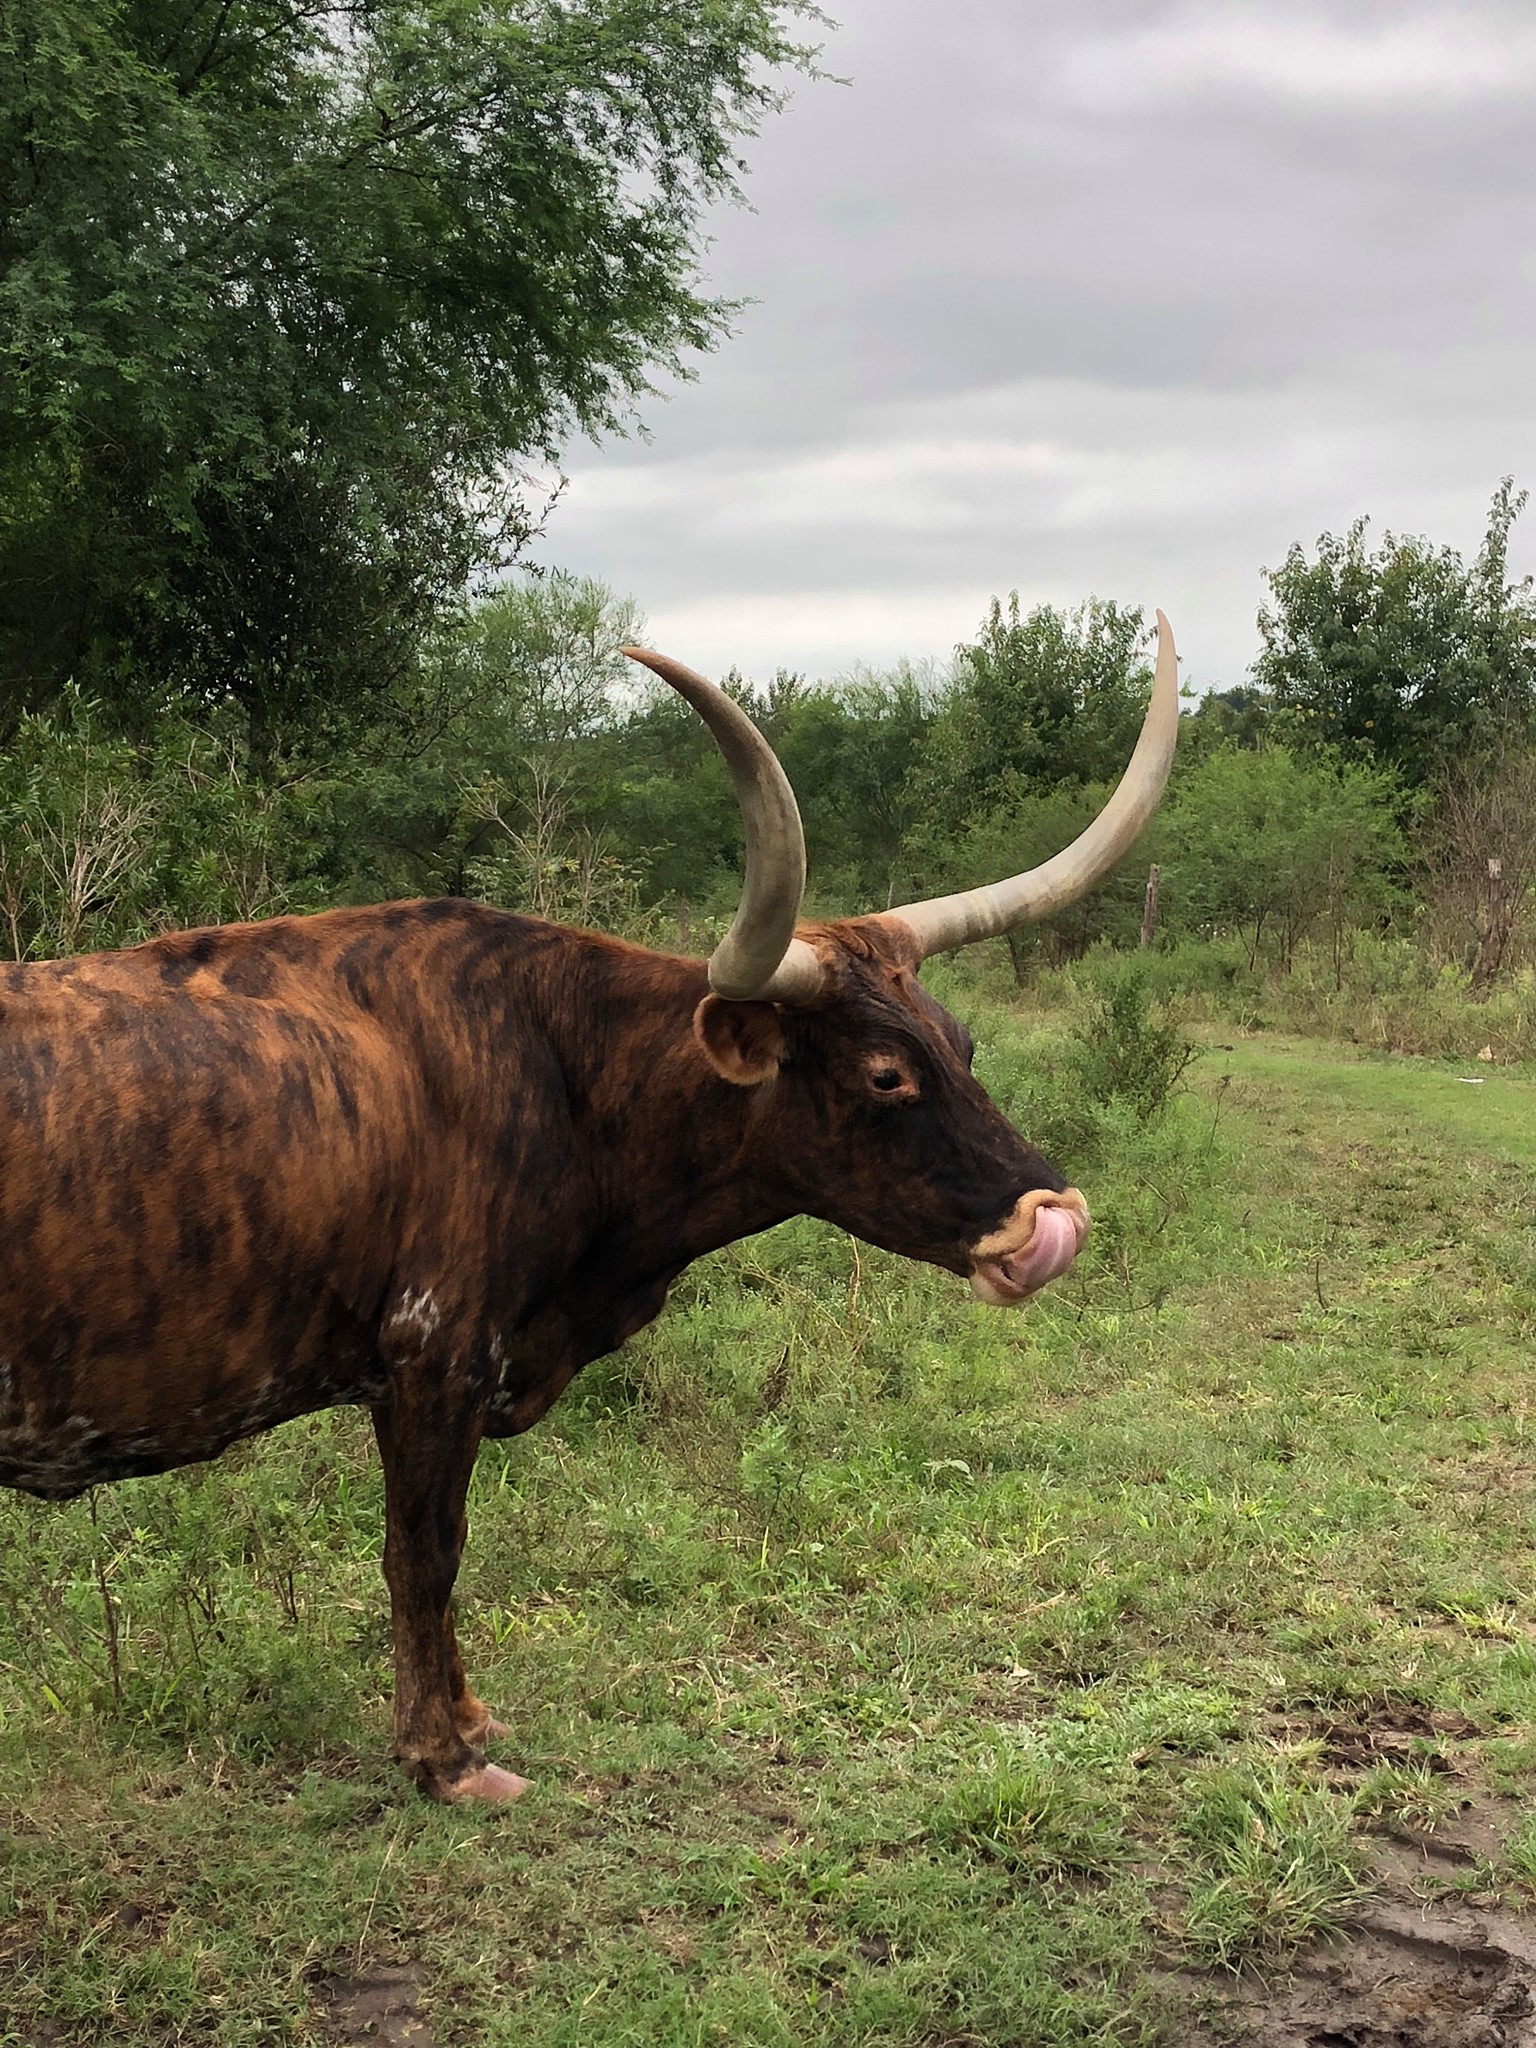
(887, 1079)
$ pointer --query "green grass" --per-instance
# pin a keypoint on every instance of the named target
(891, 1669)
(1467, 1107)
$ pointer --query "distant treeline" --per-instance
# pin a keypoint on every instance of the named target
(290, 298)
(1375, 774)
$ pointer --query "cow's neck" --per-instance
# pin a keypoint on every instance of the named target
(684, 1160)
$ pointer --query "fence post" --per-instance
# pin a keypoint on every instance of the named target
(1490, 951)
(1149, 908)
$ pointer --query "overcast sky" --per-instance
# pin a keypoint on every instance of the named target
(1090, 297)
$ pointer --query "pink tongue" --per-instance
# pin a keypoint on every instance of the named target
(1049, 1252)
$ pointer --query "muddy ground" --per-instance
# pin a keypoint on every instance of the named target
(380, 2008)
(1423, 1965)
(1430, 1961)
(1419, 1968)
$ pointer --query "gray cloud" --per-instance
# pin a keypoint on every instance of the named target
(1115, 298)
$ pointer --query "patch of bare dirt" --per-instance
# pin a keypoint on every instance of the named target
(1391, 1733)
(1419, 1967)
(1430, 1978)
(1374, 1731)
(380, 2009)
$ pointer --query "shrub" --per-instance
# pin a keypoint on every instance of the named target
(1130, 1049)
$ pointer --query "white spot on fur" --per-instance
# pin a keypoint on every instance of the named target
(418, 1317)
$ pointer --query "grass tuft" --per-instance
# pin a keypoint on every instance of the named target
(1032, 1817)
(1276, 1863)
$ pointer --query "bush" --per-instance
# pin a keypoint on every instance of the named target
(1380, 992)
(1130, 1049)
(104, 841)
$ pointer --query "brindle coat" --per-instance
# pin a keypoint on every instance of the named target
(431, 1158)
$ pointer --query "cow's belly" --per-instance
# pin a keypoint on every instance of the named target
(127, 1366)
(57, 1459)
(118, 1426)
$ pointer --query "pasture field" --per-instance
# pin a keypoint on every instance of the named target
(891, 1669)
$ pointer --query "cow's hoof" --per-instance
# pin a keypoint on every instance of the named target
(489, 1782)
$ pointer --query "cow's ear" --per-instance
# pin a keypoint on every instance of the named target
(743, 1042)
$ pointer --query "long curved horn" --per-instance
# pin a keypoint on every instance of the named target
(759, 957)
(949, 921)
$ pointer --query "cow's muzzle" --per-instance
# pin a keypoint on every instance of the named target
(1036, 1245)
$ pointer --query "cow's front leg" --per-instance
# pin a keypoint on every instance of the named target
(427, 1443)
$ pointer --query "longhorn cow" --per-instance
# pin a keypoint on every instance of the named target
(432, 1158)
